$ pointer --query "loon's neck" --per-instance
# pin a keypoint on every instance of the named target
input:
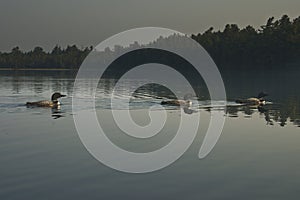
(56, 102)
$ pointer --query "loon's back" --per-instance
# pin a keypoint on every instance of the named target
(177, 103)
(249, 101)
(254, 101)
(43, 104)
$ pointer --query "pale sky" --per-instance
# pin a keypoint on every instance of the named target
(45, 23)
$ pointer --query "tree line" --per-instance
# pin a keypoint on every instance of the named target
(69, 58)
(274, 45)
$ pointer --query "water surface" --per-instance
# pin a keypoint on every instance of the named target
(257, 156)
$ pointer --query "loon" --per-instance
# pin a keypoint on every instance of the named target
(54, 103)
(254, 101)
(186, 102)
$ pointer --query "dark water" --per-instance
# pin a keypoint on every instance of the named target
(257, 156)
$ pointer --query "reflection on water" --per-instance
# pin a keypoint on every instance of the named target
(57, 113)
(273, 113)
(40, 151)
(283, 107)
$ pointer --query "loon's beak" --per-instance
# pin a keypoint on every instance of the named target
(62, 95)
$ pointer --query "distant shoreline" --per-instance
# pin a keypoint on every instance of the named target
(37, 69)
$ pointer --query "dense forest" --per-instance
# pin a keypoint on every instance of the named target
(68, 58)
(274, 45)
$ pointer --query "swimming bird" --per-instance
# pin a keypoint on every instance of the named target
(254, 101)
(186, 102)
(54, 103)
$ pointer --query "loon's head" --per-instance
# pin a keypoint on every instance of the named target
(262, 95)
(187, 97)
(56, 96)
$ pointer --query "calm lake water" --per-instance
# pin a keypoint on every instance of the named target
(256, 157)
